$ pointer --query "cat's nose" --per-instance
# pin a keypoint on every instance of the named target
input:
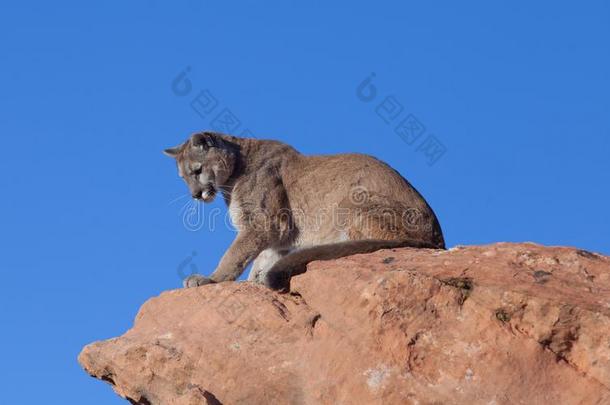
(197, 195)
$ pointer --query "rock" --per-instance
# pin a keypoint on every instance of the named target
(497, 324)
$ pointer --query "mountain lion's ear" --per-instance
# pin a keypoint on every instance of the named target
(172, 152)
(205, 140)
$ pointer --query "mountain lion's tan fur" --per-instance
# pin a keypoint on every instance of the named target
(313, 206)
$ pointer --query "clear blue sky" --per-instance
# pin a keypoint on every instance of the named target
(517, 95)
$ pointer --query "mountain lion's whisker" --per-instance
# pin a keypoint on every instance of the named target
(178, 198)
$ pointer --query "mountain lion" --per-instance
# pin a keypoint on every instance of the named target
(290, 209)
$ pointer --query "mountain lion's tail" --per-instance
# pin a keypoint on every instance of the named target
(278, 277)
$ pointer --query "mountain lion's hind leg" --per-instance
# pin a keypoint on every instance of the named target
(265, 260)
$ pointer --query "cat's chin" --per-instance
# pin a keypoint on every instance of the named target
(208, 195)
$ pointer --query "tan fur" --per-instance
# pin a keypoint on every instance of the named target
(283, 201)
(278, 276)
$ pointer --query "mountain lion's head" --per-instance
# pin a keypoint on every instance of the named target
(205, 162)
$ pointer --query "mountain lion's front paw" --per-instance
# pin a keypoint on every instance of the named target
(195, 280)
